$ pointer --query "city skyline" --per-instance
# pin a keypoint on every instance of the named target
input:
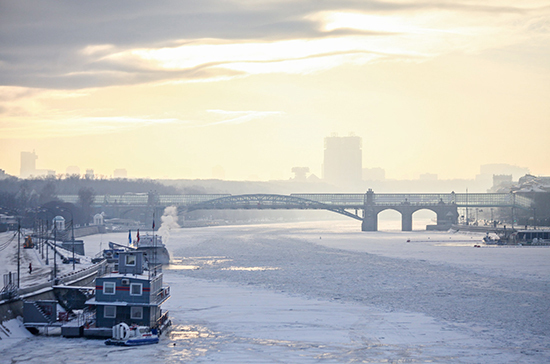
(173, 89)
(349, 173)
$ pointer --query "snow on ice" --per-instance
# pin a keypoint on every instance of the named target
(324, 292)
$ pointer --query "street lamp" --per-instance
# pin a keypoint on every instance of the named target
(47, 247)
(54, 251)
(72, 234)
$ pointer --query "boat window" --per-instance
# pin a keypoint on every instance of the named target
(136, 313)
(109, 287)
(130, 260)
(136, 289)
(109, 311)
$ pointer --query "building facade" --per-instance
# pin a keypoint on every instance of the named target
(131, 295)
(343, 161)
(28, 164)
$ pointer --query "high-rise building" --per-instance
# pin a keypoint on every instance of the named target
(343, 161)
(28, 164)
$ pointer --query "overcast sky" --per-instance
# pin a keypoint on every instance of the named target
(171, 89)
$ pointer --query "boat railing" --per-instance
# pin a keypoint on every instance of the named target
(86, 317)
(163, 294)
(161, 320)
(155, 269)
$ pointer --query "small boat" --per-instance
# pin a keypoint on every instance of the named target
(124, 335)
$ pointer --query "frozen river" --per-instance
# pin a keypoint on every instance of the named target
(324, 292)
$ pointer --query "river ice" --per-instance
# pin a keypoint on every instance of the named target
(324, 292)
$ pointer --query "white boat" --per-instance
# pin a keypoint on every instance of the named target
(124, 335)
(154, 249)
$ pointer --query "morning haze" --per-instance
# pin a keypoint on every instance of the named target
(335, 181)
(174, 89)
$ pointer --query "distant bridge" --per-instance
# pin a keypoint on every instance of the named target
(364, 207)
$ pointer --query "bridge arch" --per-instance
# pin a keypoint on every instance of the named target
(268, 201)
(406, 213)
(388, 218)
(424, 216)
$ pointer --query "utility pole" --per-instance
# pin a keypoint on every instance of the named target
(55, 251)
(19, 253)
(72, 232)
(47, 251)
(42, 238)
(467, 222)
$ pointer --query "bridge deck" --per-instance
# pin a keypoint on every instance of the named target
(389, 199)
(337, 200)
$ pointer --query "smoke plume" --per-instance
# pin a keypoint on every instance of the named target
(169, 221)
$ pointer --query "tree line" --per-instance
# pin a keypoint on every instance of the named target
(33, 197)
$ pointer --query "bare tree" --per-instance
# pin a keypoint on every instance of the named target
(86, 197)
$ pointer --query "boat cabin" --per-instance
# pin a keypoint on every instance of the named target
(131, 295)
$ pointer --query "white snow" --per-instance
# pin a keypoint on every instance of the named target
(41, 271)
(317, 292)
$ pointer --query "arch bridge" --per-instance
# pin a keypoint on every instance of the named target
(364, 207)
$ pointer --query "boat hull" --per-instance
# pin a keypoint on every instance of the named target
(132, 342)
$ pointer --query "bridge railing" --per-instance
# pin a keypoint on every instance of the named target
(188, 199)
(523, 201)
(356, 199)
(126, 199)
(412, 198)
(484, 199)
(143, 199)
(340, 199)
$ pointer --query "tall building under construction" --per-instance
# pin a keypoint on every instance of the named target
(343, 161)
(28, 164)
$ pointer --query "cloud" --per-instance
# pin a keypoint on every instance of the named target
(74, 45)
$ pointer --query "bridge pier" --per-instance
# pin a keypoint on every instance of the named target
(447, 217)
(447, 213)
(406, 221)
(370, 214)
(370, 219)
